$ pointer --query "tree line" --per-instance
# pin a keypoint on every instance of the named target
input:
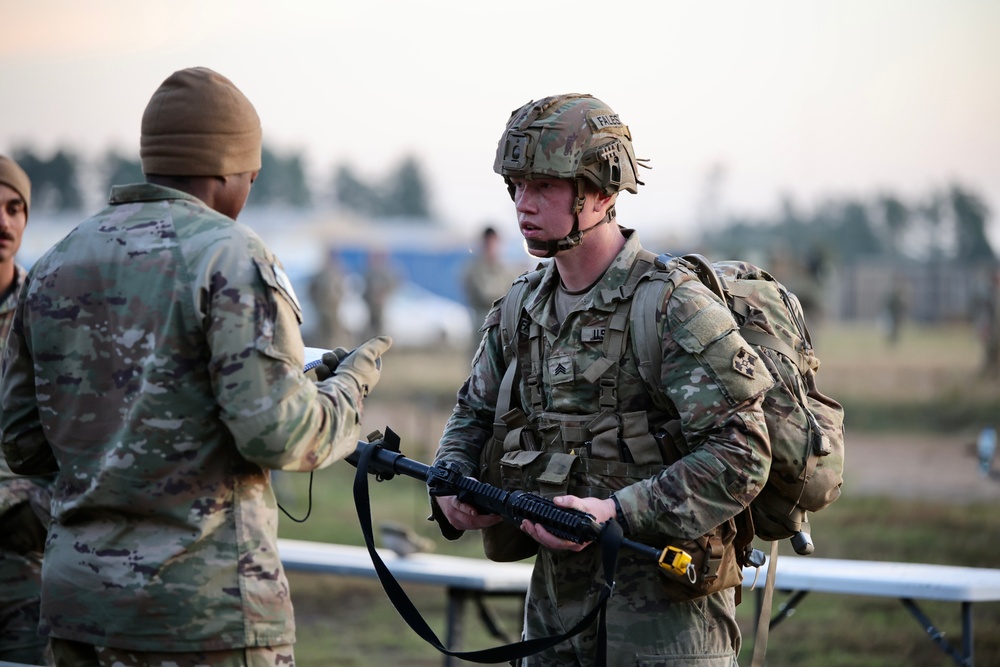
(948, 223)
(58, 183)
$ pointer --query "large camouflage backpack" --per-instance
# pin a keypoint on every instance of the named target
(806, 427)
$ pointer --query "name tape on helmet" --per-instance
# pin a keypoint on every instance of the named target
(606, 120)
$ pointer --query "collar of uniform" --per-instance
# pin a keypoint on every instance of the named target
(140, 192)
(8, 304)
(596, 299)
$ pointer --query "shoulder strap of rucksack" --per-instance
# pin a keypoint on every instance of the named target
(510, 316)
(648, 296)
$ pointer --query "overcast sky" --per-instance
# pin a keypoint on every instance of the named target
(790, 97)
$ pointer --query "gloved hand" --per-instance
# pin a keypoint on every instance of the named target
(364, 364)
(330, 361)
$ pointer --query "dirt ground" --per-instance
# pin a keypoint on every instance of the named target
(930, 467)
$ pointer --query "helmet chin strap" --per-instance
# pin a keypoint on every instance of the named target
(575, 237)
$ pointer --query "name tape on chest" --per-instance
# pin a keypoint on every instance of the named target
(593, 334)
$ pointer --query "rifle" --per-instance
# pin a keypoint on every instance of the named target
(445, 479)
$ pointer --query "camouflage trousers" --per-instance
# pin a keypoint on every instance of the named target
(77, 654)
(20, 587)
(644, 627)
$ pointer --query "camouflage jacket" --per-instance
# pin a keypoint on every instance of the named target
(156, 362)
(14, 489)
(719, 408)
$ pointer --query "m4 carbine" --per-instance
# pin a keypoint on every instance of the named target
(445, 479)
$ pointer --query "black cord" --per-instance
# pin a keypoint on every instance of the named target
(309, 509)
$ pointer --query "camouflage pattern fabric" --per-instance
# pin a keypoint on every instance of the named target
(76, 654)
(716, 383)
(9, 304)
(20, 566)
(155, 362)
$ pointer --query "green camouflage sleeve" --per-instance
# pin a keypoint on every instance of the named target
(25, 447)
(278, 418)
(471, 423)
(717, 383)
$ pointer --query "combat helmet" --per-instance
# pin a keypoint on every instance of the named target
(571, 136)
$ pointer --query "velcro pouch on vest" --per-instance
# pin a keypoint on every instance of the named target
(516, 469)
(554, 481)
(639, 442)
(604, 437)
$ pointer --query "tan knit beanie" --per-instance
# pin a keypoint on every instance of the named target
(199, 124)
(11, 174)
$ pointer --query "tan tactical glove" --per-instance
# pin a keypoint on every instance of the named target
(364, 363)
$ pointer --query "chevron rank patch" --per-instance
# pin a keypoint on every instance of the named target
(744, 361)
(560, 369)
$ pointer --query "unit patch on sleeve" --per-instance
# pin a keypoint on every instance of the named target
(743, 362)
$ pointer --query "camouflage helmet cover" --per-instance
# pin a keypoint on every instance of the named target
(568, 136)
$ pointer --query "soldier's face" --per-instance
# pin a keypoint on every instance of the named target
(13, 219)
(544, 207)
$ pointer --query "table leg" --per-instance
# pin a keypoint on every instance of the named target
(455, 619)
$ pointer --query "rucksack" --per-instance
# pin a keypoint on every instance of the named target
(806, 427)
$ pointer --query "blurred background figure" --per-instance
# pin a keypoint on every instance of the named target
(485, 278)
(326, 290)
(895, 310)
(380, 282)
(989, 327)
(986, 447)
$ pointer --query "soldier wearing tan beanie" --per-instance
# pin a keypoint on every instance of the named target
(22, 533)
(167, 339)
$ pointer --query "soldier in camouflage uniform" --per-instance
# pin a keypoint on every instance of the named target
(585, 434)
(155, 363)
(23, 500)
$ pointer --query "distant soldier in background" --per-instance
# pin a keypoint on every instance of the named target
(155, 364)
(24, 501)
(485, 278)
(326, 290)
(989, 328)
(380, 282)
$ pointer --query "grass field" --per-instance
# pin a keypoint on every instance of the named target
(927, 383)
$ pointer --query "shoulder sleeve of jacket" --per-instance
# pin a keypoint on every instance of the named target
(703, 326)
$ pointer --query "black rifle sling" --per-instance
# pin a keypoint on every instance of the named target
(611, 538)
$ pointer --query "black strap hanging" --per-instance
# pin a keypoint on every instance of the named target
(611, 540)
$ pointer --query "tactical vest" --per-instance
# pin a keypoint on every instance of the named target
(625, 441)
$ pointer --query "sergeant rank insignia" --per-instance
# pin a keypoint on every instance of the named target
(744, 362)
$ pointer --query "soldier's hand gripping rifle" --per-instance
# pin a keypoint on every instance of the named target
(445, 479)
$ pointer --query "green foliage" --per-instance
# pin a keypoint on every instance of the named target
(404, 194)
(282, 181)
(120, 170)
(946, 223)
(54, 181)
